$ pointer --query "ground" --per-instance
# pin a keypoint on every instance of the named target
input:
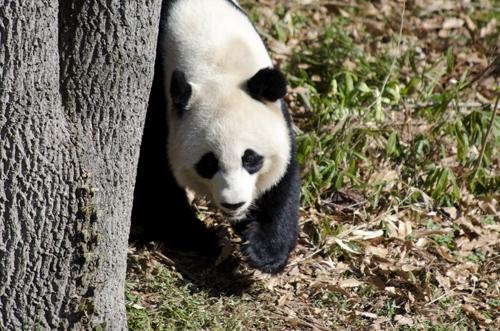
(395, 108)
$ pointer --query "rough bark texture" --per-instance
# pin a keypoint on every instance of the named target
(74, 83)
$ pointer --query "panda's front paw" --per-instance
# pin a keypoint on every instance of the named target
(263, 261)
(265, 254)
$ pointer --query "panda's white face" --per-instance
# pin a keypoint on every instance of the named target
(228, 146)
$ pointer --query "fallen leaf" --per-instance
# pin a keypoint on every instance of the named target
(404, 229)
(451, 211)
(376, 250)
(468, 21)
(443, 281)
(279, 47)
(408, 267)
(431, 24)
(365, 235)
(474, 314)
(422, 242)
(390, 289)
(391, 227)
(491, 239)
(489, 29)
(345, 246)
(384, 175)
(350, 282)
(283, 299)
(403, 320)
(453, 23)
(137, 306)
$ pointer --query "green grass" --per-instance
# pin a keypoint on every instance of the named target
(158, 300)
(353, 126)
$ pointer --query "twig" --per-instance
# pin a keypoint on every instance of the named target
(460, 105)
(440, 297)
(486, 136)
(393, 63)
(305, 258)
(400, 40)
(494, 65)
(302, 320)
(349, 4)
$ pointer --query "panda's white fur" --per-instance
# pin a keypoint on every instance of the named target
(218, 50)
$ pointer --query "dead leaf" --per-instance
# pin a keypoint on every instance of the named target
(376, 250)
(403, 320)
(431, 24)
(392, 229)
(137, 306)
(444, 253)
(350, 282)
(472, 58)
(422, 242)
(490, 206)
(271, 283)
(437, 5)
(404, 229)
(443, 281)
(283, 299)
(345, 246)
(474, 314)
(443, 33)
(490, 239)
(376, 281)
(384, 175)
(346, 196)
(451, 211)
(468, 21)
(468, 227)
(453, 23)
(390, 289)
(489, 29)
(366, 235)
(408, 267)
(279, 47)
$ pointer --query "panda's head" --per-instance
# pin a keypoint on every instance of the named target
(228, 138)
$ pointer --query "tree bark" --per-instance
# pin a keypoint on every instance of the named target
(74, 85)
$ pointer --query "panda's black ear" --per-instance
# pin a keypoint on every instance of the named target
(267, 84)
(180, 91)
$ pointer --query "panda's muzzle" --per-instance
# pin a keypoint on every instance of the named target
(232, 206)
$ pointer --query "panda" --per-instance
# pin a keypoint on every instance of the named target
(230, 135)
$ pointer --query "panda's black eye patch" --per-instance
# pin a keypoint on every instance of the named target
(207, 166)
(252, 161)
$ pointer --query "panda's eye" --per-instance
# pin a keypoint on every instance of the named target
(207, 166)
(252, 161)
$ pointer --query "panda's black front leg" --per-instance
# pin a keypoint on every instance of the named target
(270, 230)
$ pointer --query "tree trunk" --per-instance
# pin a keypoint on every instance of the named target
(74, 85)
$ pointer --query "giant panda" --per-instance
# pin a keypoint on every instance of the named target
(230, 136)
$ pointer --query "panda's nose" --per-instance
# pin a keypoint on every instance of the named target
(232, 206)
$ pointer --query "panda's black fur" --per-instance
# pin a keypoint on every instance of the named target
(161, 210)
